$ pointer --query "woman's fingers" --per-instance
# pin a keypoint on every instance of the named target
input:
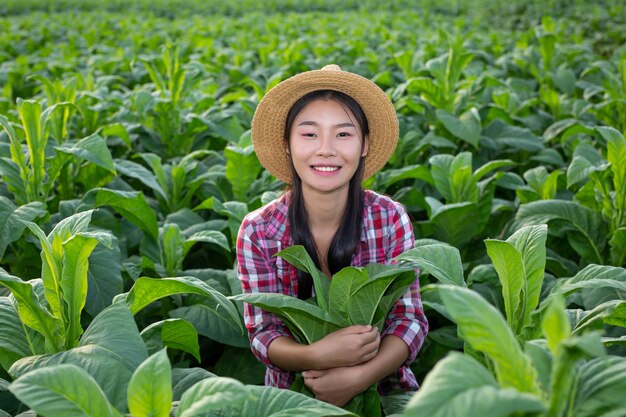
(312, 373)
(356, 329)
(369, 337)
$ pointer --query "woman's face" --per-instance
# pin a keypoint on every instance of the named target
(326, 145)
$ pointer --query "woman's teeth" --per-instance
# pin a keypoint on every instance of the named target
(326, 169)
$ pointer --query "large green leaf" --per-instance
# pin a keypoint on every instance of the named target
(389, 177)
(440, 260)
(600, 389)
(130, 204)
(555, 325)
(76, 251)
(608, 279)
(441, 167)
(508, 262)
(173, 333)
(147, 290)
(242, 168)
(12, 220)
(93, 149)
(618, 247)
(459, 386)
(110, 350)
(150, 388)
(579, 220)
(36, 140)
(172, 248)
(18, 160)
(62, 390)
(616, 155)
(235, 211)
(16, 339)
(207, 236)
(453, 177)
(211, 394)
(520, 262)
(185, 378)
(567, 353)
(367, 298)
(241, 364)
(211, 321)
(141, 173)
(297, 256)
(306, 321)
(611, 312)
(490, 166)
(531, 243)
(580, 168)
(341, 289)
(484, 328)
(72, 225)
(456, 223)
(31, 312)
(275, 402)
(396, 289)
(51, 269)
(104, 277)
(466, 127)
(16, 181)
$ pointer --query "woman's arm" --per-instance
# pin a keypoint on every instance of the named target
(339, 385)
(349, 346)
(258, 275)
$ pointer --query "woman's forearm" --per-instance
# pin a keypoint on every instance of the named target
(339, 385)
(392, 354)
(290, 355)
(348, 346)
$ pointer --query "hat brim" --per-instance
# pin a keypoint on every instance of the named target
(268, 123)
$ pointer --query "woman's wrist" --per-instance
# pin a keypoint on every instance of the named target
(289, 355)
(393, 351)
(367, 374)
(310, 353)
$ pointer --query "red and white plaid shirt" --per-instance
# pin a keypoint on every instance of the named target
(386, 232)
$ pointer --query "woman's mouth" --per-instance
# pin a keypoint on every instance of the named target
(325, 168)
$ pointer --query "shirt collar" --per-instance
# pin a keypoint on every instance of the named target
(278, 225)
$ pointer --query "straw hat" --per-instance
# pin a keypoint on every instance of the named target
(270, 117)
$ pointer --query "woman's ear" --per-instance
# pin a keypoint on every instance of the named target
(365, 145)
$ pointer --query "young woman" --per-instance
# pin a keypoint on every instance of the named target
(323, 132)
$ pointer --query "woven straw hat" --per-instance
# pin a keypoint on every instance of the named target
(270, 117)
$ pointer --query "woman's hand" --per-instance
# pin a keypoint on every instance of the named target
(336, 386)
(349, 346)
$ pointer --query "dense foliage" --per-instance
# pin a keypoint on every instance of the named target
(126, 167)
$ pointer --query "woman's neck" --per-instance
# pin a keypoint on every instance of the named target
(325, 210)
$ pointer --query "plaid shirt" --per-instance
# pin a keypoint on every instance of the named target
(386, 232)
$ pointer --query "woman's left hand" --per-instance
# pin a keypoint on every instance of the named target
(336, 386)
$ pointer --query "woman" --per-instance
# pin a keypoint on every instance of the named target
(323, 132)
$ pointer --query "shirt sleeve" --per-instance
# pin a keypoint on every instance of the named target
(406, 319)
(258, 276)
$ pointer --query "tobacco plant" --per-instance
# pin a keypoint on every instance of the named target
(597, 218)
(354, 295)
(533, 359)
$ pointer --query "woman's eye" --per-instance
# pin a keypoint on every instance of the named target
(309, 135)
(344, 134)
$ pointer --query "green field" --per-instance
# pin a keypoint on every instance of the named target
(126, 168)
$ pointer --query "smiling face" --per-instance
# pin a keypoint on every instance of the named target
(326, 145)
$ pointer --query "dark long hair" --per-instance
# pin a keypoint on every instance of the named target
(347, 236)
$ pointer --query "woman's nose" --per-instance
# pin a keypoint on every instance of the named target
(326, 147)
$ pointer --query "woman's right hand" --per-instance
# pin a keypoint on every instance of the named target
(349, 346)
